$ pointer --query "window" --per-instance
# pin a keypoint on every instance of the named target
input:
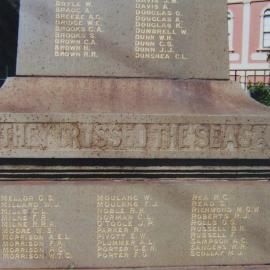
(266, 29)
(230, 30)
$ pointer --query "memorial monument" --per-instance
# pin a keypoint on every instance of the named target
(123, 143)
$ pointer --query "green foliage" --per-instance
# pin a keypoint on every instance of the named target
(260, 92)
(268, 57)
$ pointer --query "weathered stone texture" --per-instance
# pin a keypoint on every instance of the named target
(125, 38)
(244, 267)
(131, 118)
(105, 223)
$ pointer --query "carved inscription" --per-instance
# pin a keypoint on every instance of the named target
(135, 137)
(123, 38)
(27, 233)
(218, 228)
(114, 223)
(157, 24)
(76, 27)
(123, 224)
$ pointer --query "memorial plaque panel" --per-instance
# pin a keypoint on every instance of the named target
(123, 38)
(96, 224)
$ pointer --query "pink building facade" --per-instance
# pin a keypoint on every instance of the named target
(249, 37)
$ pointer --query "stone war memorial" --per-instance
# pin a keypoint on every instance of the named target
(123, 143)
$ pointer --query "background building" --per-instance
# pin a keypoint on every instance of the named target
(249, 40)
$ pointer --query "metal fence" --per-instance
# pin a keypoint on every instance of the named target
(244, 76)
(250, 77)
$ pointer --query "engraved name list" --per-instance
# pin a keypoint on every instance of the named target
(76, 26)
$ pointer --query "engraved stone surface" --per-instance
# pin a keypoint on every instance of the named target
(96, 224)
(131, 118)
(235, 267)
(123, 38)
(133, 136)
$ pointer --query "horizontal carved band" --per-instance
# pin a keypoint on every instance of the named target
(134, 136)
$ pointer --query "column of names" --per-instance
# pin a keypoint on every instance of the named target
(27, 233)
(158, 23)
(124, 226)
(219, 229)
(77, 25)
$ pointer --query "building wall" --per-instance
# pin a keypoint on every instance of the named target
(247, 49)
(236, 12)
(257, 54)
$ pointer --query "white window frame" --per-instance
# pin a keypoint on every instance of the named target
(261, 46)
